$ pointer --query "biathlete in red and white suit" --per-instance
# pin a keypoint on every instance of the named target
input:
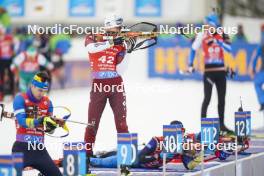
(107, 84)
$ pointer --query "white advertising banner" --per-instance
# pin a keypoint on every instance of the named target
(39, 8)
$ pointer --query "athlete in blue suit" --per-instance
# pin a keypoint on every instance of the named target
(259, 76)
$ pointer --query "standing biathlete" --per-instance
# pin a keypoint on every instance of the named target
(104, 57)
(213, 45)
(259, 76)
(33, 111)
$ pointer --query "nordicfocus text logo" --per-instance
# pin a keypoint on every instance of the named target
(100, 87)
(192, 29)
(198, 147)
(65, 146)
(68, 30)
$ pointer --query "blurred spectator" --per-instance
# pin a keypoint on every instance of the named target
(240, 36)
(258, 74)
(23, 40)
(6, 54)
(59, 46)
(5, 19)
(27, 64)
(41, 42)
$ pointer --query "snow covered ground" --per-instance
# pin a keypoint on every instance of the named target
(147, 112)
(151, 103)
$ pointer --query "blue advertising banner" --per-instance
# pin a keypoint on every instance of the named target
(169, 59)
(81, 8)
(147, 8)
(15, 8)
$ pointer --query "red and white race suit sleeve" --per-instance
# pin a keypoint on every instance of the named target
(94, 47)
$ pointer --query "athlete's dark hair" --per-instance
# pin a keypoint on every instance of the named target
(176, 122)
(44, 76)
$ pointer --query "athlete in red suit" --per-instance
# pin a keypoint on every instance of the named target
(107, 84)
